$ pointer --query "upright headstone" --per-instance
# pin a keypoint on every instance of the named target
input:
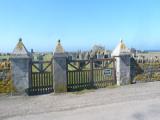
(21, 69)
(80, 56)
(40, 58)
(122, 55)
(59, 69)
(98, 55)
(87, 56)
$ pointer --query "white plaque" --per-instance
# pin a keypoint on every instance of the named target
(107, 72)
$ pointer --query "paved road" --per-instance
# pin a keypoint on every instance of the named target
(132, 102)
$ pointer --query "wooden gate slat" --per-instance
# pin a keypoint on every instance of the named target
(41, 80)
(92, 77)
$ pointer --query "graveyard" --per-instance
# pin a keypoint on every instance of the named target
(33, 73)
(63, 85)
(79, 60)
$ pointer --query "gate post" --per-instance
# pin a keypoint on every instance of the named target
(122, 55)
(21, 69)
(91, 72)
(59, 69)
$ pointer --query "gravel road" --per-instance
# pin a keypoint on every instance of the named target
(132, 102)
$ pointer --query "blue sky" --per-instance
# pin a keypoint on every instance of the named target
(79, 24)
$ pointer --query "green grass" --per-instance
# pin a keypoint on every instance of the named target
(112, 86)
(4, 56)
(152, 75)
(48, 57)
(83, 91)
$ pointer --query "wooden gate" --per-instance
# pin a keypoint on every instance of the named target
(93, 73)
(41, 81)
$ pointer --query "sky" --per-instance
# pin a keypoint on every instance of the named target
(79, 24)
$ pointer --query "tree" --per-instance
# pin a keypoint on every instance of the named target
(97, 48)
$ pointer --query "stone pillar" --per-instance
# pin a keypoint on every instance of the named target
(60, 69)
(21, 69)
(122, 55)
(123, 69)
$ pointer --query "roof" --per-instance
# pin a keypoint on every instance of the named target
(20, 49)
(121, 49)
(59, 48)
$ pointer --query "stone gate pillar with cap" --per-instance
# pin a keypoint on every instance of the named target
(59, 69)
(122, 55)
(21, 69)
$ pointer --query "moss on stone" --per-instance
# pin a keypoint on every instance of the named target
(60, 89)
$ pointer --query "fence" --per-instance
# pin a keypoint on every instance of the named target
(37, 76)
(93, 73)
(41, 81)
(145, 71)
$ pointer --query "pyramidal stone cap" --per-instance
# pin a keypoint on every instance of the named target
(121, 49)
(59, 48)
(20, 50)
